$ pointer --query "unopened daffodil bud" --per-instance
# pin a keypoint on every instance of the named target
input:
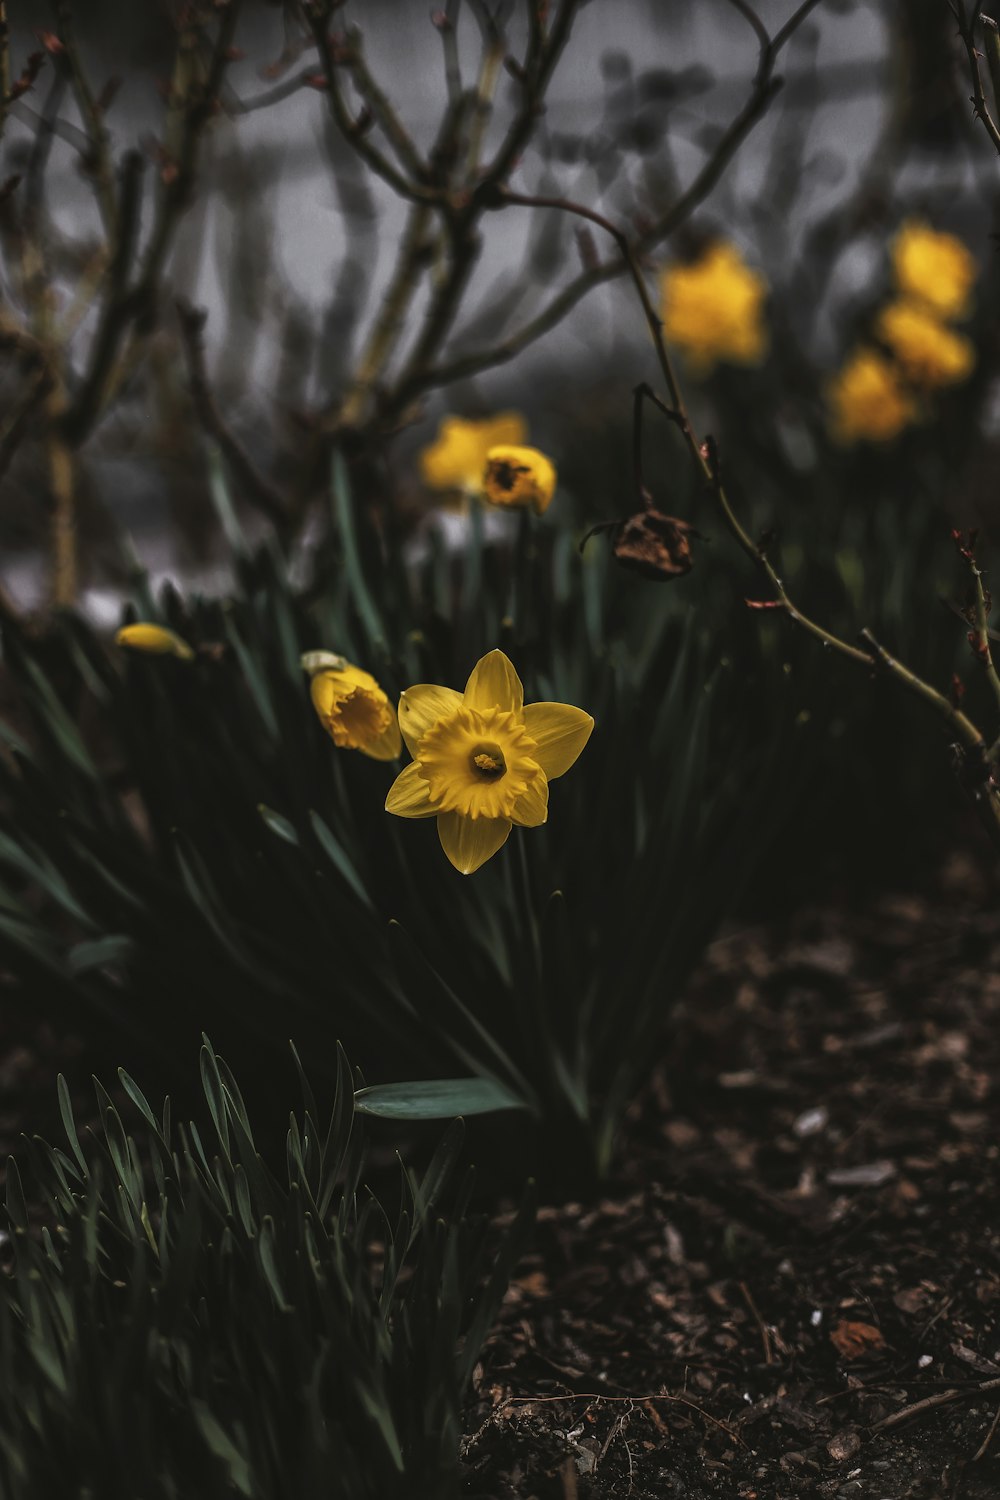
(322, 661)
(154, 640)
(354, 711)
(520, 478)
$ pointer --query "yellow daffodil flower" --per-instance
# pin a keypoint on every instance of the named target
(482, 760)
(519, 477)
(712, 309)
(354, 711)
(935, 268)
(454, 461)
(929, 353)
(154, 640)
(868, 400)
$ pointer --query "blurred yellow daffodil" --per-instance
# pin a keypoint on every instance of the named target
(354, 710)
(713, 309)
(154, 640)
(929, 353)
(482, 760)
(519, 477)
(454, 461)
(935, 268)
(868, 400)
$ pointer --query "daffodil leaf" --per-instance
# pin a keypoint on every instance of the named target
(435, 1099)
(83, 957)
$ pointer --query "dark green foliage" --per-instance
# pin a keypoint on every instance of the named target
(184, 1320)
(182, 845)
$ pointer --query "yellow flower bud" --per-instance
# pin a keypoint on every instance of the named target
(322, 661)
(355, 712)
(519, 477)
(154, 640)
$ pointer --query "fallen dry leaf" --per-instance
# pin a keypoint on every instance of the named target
(855, 1340)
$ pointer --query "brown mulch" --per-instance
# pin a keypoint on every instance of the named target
(795, 1290)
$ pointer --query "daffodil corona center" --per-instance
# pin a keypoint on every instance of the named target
(478, 762)
(489, 762)
(358, 719)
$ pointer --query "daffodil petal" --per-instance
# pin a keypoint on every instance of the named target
(470, 842)
(494, 684)
(560, 732)
(532, 807)
(387, 746)
(421, 707)
(409, 796)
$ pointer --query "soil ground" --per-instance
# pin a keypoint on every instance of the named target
(794, 1290)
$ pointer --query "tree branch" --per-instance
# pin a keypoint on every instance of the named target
(259, 491)
(965, 21)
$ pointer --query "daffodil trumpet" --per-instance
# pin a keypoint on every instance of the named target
(482, 759)
(352, 707)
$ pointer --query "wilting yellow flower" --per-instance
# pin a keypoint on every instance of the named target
(155, 640)
(482, 760)
(519, 477)
(454, 461)
(868, 400)
(712, 308)
(935, 268)
(929, 353)
(355, 712)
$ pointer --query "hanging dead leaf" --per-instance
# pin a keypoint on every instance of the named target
(650, 544)
(855, 1340)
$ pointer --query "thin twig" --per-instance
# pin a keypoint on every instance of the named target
(353, 128)
(762, 1328)
(259, 491)
(4, 65)
(965, 22)
(99, 161)
(448, 27)
(382, 110)
(18, 418)
(127, 305)
(984, 1446)
(975, 756)
(763, 91)
(118, 309)
(930, 1403)
(651, 1396)
(980, 634)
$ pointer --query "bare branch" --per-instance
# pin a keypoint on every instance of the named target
(353, 128)
(763, 91)
(965, 22)
(98, 160)
(259, 491)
